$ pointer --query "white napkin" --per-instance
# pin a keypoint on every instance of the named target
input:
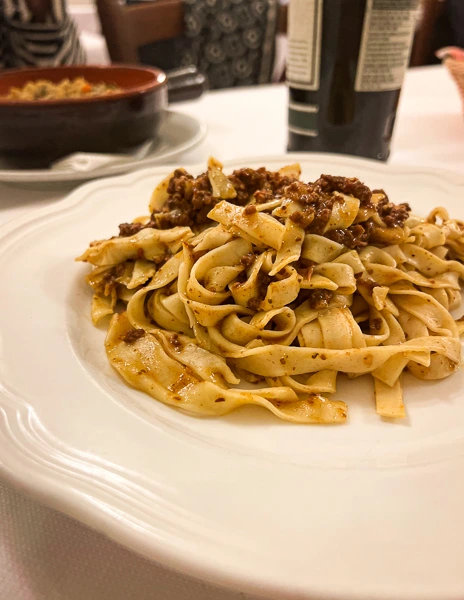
(88, 161)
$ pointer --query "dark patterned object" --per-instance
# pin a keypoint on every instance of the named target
(26, 42)
(231, 41)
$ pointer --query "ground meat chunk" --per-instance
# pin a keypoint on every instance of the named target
(263, 281)
(393, 215)
(250, 210)
(319, 299)
(178, 184)
(190, 199)
(376, 324)
(317, 206)
(346, 185)
(128, 229)
(265, 185)
(303, 218)
(306, 193)
(247, 259)
(132, 336)
(321, 218)
(188, 204)
(368, 284)
(172, 218)
(109, 279)
(353, 237)
(175, 341)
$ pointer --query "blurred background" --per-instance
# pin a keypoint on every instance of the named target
(129, 25)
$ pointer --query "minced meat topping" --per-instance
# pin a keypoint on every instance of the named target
(346, 185)
(190, 200)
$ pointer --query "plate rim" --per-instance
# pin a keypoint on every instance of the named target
(68, 500)
(34, 176)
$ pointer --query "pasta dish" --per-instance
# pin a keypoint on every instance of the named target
(258, 288)
(42, 89)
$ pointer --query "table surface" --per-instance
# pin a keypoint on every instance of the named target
(45, 555)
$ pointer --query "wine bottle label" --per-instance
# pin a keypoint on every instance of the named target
(385, 44)
(302, 118)
(304, 44)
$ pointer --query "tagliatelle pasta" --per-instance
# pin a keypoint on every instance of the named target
(258, 279)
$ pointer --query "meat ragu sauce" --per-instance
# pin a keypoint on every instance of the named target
(190, 200)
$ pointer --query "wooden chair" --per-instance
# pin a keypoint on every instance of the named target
(126, 28)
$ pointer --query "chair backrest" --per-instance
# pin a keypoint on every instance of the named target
(127, 27)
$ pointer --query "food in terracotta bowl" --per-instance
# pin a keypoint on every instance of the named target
(43, 89)
(48, 113)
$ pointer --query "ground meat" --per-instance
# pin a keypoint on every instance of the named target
(263, 281)
(306, 193)
(132, 336)
(368, 284)
(317, 199)
(303, 218)
(307, 271)
(114, 273)
(254, 303)
(250, 210)
(241, 278)
(346, 185)
(248, 181)
(190, 199)
(109, 279)
(321, 217)
(172, 218)
(354, 237)
(175, 341)
(188, 204)
(180, 183)
(265, 185)
(247, 260)
(317, 206)
(128, 229)
(393, 215)
(319, 299)
(376, 324)
(313, 220)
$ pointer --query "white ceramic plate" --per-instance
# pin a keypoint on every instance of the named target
(177, 134)
(368, 510)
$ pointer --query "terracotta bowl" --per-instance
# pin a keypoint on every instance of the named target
(35, 133)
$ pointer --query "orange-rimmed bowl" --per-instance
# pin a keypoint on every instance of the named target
(34, 133)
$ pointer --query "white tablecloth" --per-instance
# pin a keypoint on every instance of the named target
(47, 556)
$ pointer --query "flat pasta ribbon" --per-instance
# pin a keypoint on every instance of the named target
(259, 278)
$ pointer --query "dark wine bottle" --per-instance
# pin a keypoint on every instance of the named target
(346, 64)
